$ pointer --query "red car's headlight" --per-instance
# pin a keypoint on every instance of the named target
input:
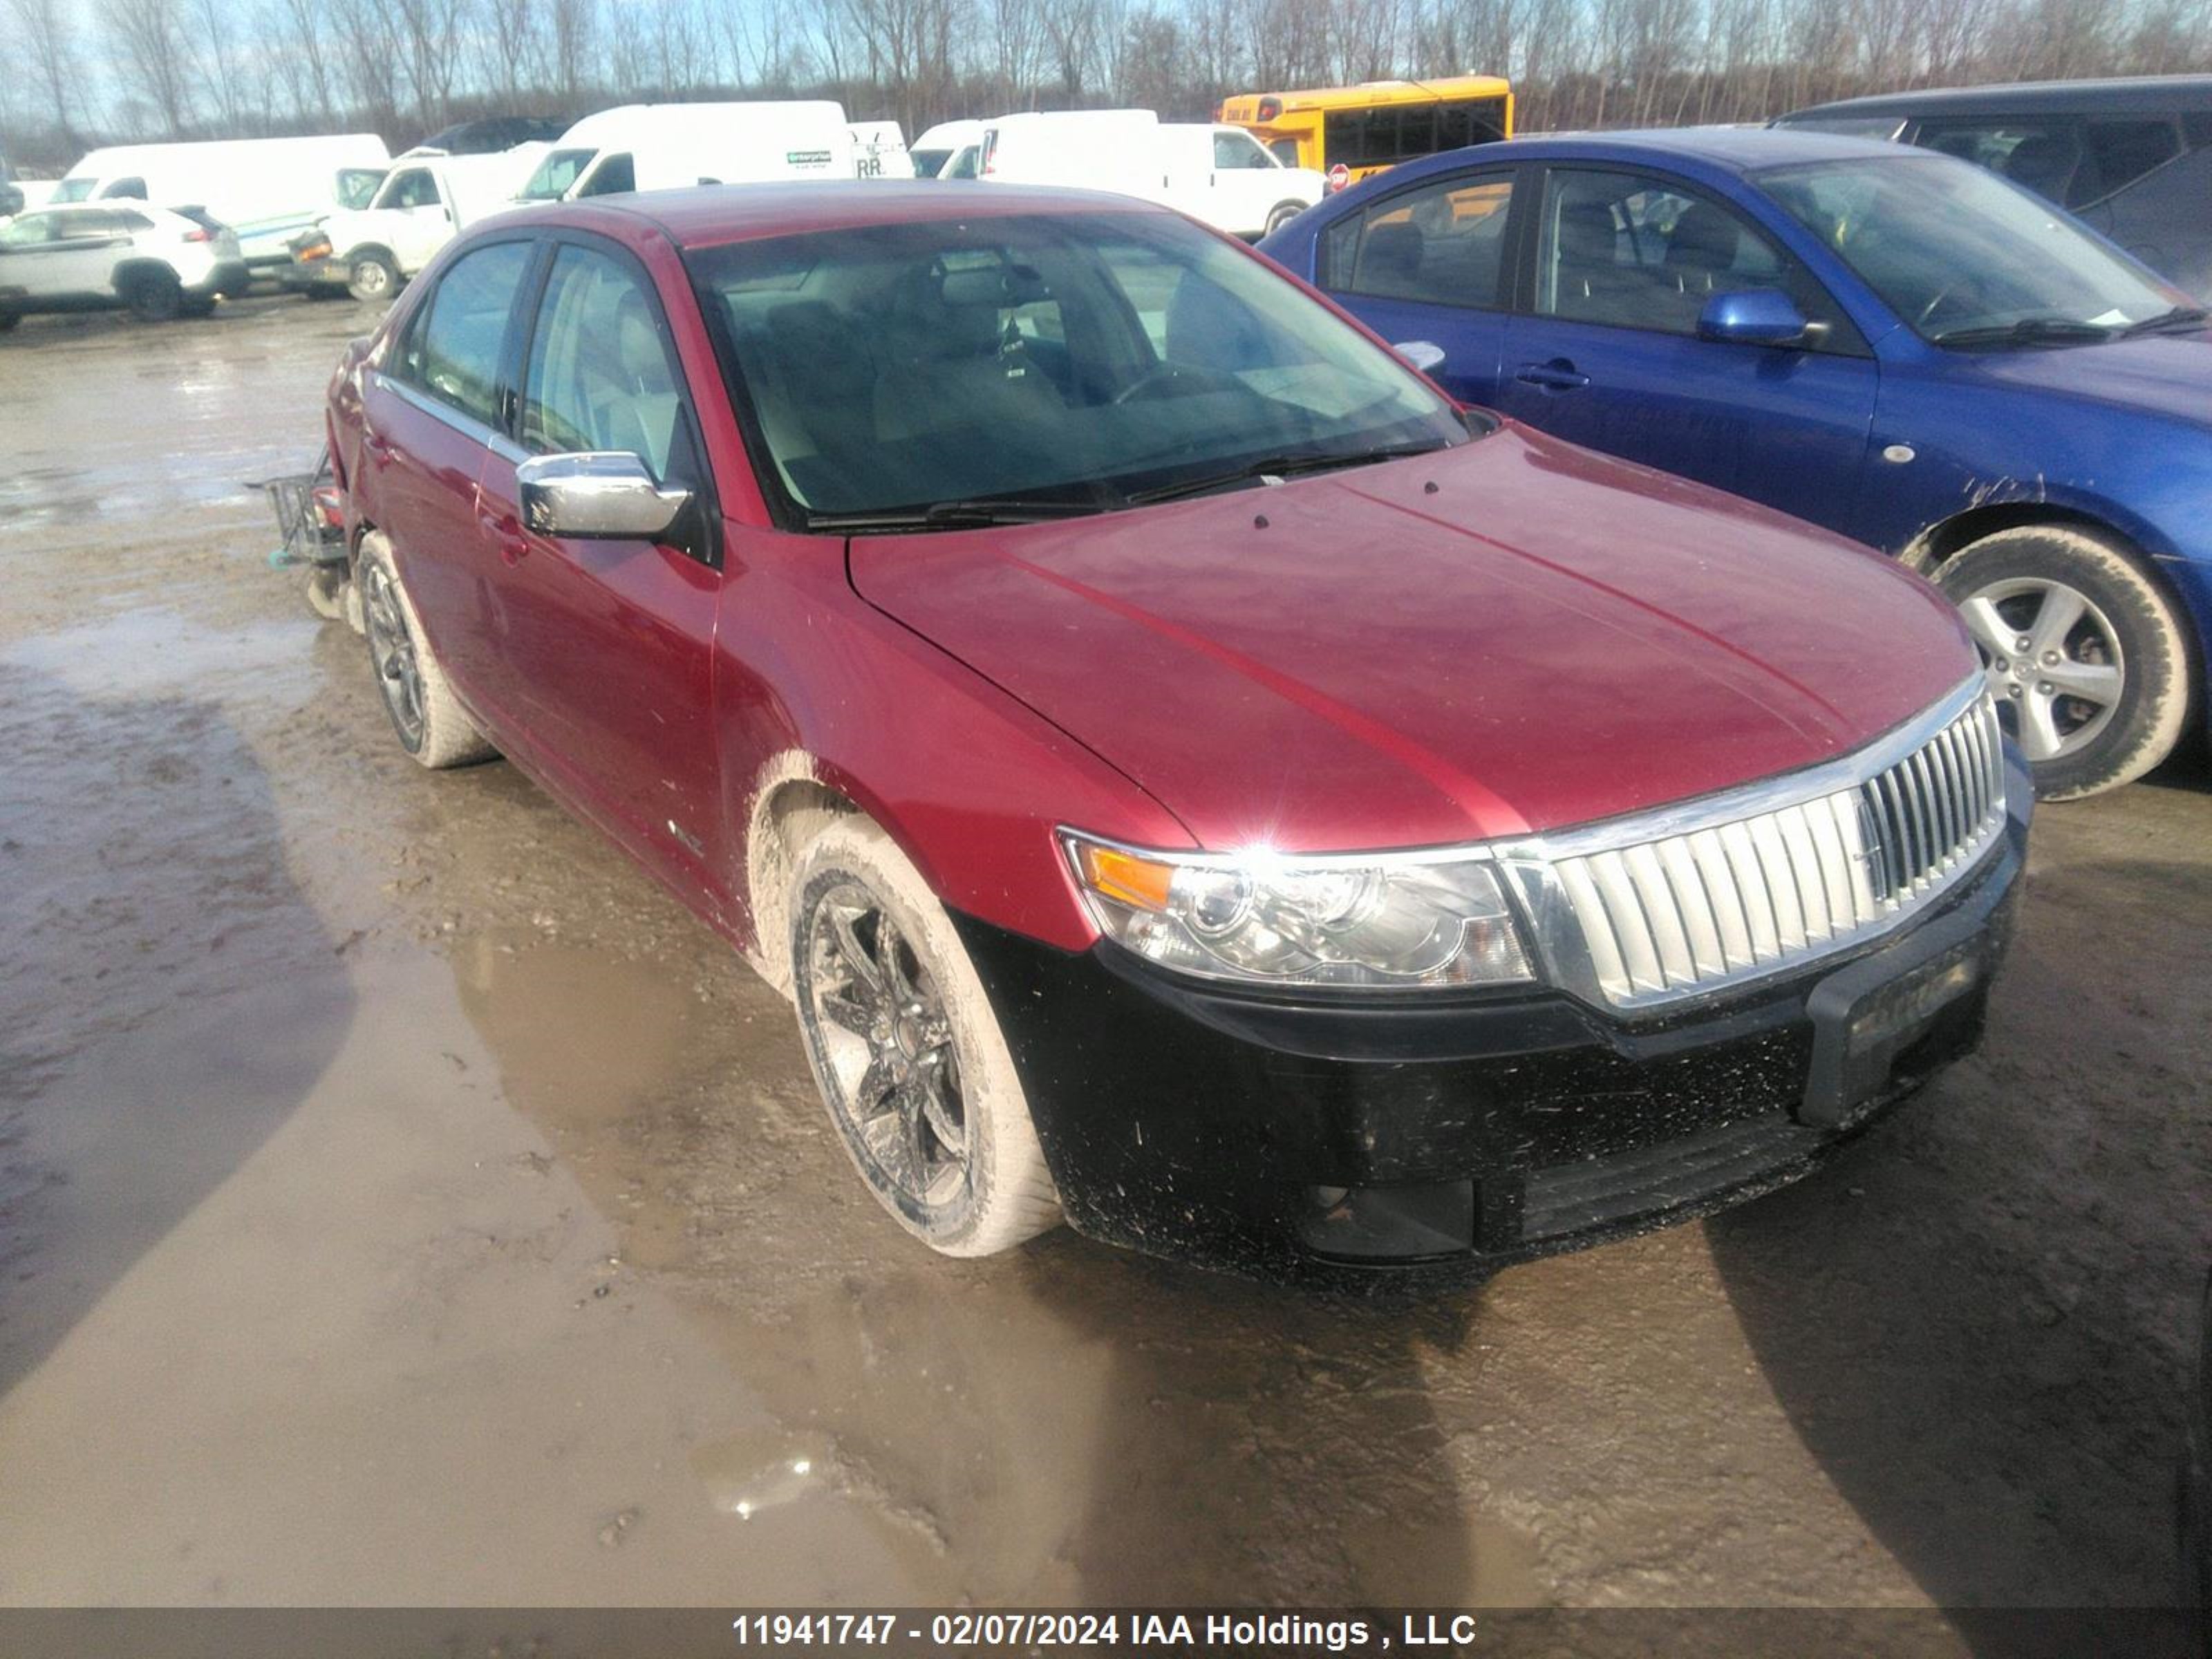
(1381, 920)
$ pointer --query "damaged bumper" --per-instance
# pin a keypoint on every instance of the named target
(1271, 1133)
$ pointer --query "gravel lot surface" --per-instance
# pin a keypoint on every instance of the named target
(403, 1201)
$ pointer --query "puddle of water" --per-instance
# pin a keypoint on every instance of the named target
(156, 652)
(752, 1473)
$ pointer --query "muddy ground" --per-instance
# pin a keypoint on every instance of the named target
(403, 1201)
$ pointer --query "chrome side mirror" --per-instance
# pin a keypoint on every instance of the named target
(603, 494)
(1424, 355)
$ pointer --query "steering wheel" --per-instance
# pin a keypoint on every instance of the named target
(1150, 384)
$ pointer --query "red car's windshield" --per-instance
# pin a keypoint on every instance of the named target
(1080, 360)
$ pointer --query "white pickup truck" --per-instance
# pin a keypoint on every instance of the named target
(422, 203)
(1220, 175)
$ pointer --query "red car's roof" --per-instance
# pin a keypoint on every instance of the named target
(715, 213)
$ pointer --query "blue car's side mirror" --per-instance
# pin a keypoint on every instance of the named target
(1760, 316)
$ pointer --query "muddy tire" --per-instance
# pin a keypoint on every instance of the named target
(908, 1052)
(154, 296)
(2083, 651)
(9, 319)
(425, 715)
(371, 278)
(1282, 215)
(326, 592)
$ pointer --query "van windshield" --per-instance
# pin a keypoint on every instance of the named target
(357, 185)
(73, 189)
(555, 174)
(1060, 362)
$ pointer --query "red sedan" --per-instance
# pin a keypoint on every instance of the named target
(1191, 778)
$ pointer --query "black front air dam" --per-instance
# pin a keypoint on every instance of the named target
(1266, 1133)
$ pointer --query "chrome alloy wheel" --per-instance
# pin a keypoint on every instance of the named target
(391, 648)
(888, 1057)
(2053, 660)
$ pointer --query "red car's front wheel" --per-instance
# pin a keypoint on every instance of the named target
(907, 1051)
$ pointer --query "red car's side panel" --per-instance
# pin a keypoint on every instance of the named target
(971, 783)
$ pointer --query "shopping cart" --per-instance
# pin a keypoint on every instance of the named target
(311, 518)
(310, 515)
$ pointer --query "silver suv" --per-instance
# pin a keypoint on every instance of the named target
(160, 262)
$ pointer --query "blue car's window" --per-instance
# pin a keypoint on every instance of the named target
(1439, 244)
(1079, 358)
(1962, 256)
(1632, 252)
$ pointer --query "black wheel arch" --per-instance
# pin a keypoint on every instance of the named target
(131, 272)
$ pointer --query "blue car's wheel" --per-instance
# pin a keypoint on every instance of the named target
(2083, 653)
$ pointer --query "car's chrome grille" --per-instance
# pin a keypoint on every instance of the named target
(1732, 895)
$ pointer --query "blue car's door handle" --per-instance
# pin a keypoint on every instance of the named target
(1558, 375)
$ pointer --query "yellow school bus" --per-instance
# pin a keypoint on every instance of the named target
(1348, 132)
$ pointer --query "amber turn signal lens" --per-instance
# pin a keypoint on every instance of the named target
(1125, 878)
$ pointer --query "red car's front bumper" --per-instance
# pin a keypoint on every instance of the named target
(1280, 1135)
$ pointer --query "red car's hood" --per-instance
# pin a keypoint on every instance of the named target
(1356, 659)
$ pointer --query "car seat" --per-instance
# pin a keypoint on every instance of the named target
(2042, 161)
(949, 361)
(1390, 260)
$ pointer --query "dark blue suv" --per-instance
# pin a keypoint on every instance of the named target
(1891, 343)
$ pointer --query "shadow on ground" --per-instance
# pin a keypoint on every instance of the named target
(1978, 1320)
(146, 914)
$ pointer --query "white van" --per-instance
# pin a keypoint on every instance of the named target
(879, 150)
(672, 146)
(265, 188)
(948, 150)
(1219, 175)
(423, 203)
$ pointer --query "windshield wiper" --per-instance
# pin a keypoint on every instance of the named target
(956, 515)
(2027, 331)
(1278, 466)
(2180, 316)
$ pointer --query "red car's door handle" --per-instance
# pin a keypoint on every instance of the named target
(379, 451)
(1558, 375)
(505, 532)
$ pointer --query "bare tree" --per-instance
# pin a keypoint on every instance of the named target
(48, 43)
(154, 59)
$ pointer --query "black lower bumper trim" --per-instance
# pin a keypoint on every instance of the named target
(1267, 1133)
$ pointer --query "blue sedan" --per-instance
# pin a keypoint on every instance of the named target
(1890, 343)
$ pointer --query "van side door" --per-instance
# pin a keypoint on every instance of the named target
(1247, 183)
(421, 221)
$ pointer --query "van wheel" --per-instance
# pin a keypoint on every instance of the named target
(1283, 214)
(908, 1054)
(9, 319)
(2082, 650)
(154, 296)
(418, 695)
(371, 277)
